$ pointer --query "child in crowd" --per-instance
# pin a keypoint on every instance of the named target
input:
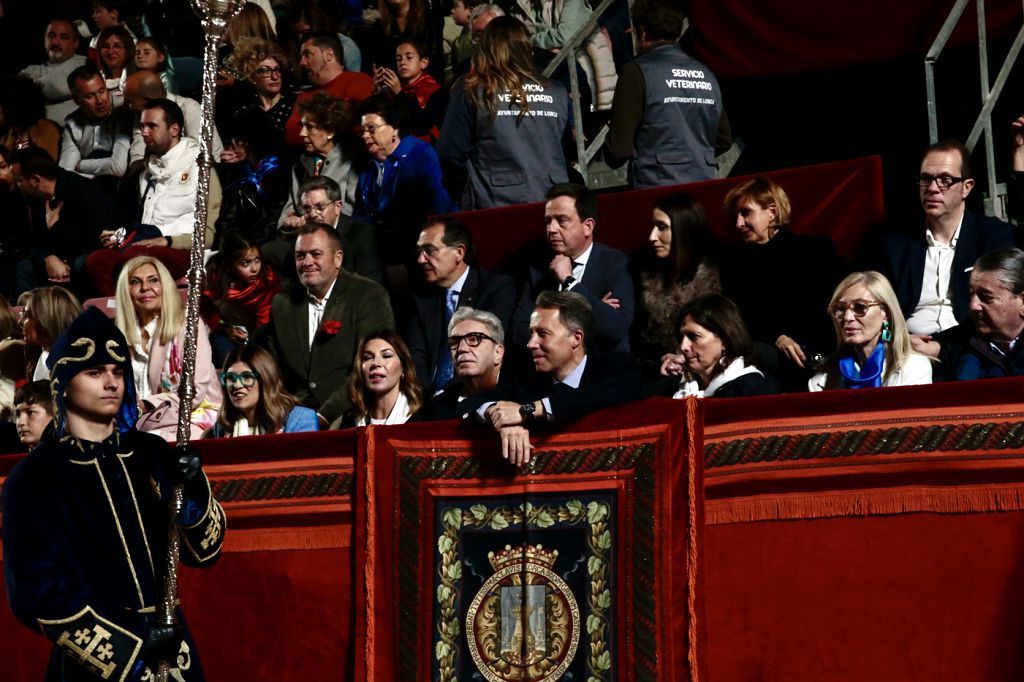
(462, 46)
(33, 410)
(425, 99)
(150, 54)
(238, 295)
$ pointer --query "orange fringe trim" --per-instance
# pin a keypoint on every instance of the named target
(694, 451)
(270, 539)
(872, 502)
(369, 570)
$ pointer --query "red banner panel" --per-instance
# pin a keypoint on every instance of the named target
(581, 565)
(867, 535)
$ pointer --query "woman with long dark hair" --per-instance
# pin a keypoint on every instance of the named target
(502, 138)
(115, 49)
(383, 387)
(678, 268)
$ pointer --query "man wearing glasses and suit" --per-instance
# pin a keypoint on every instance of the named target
(930, 271)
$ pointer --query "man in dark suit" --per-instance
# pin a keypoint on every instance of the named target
(315, 326)
(598, 273)
(446, 253)
(476, 342)
(570, 380)
(930, 272)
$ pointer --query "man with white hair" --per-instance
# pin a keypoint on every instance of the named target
(476, 341)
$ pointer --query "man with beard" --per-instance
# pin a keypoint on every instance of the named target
(61, 42)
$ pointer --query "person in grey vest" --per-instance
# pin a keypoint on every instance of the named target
(96, 136)
(502, 146)
(667, 111)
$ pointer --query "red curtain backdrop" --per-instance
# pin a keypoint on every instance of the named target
(740, 39)
(867, 535)
(843, 200)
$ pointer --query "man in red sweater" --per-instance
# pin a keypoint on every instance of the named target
(322, 60)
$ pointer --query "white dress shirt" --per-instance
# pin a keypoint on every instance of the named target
(316, 311)
(578, 268)
(934, 311)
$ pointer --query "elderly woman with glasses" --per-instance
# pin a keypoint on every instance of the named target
(257, 403)
(325, 123)
(873, 344)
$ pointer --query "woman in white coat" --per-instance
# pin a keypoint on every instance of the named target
(873, 343)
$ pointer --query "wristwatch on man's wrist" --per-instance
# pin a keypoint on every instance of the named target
(527, 411)
(568, 282)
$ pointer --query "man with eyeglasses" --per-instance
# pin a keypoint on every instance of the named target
(930, 271)
(320, 201)
(450, 282)
(476, 345)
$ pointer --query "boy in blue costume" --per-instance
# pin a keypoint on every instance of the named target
(85, 521)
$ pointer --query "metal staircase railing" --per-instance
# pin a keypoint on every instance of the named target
(995, 202)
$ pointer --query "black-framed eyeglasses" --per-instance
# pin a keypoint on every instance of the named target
(472, 339)
(944, 181)
(246, 379)
(318, 207)
(859, 308)
(265, 71)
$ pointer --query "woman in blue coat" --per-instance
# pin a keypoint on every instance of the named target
(402, 185)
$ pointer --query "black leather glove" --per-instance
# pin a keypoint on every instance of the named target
(187, 464)
(161, 643)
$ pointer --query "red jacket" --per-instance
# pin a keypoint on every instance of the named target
(253, 302)
(351, 85)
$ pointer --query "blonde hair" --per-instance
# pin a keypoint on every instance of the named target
(172, 312)
(52, 309)
(899, 349)
(502, 62)
(252, 22)
(762, 191)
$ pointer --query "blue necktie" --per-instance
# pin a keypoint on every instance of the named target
(445, 368)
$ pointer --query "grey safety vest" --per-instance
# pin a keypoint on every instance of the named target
(516, 160)
(676, 142)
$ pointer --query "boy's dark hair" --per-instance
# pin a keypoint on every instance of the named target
(421, 48)
(35, 393)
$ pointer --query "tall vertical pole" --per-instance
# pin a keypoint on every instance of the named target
(215, 16)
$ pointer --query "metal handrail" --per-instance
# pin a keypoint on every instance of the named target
(994, 205)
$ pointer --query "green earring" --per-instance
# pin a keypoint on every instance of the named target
(886, 336)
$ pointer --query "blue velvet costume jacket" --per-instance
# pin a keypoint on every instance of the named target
(85, 533)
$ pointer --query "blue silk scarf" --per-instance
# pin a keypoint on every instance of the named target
(869, 376)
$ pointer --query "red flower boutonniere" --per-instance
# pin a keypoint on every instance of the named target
(330, 327)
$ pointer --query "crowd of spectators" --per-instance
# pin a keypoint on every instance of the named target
(342, 290)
